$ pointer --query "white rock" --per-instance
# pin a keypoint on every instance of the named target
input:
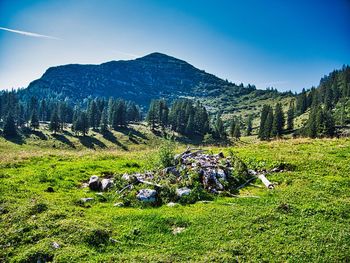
(147, 195)
(106, 184)
(94, 183)
(183, 191)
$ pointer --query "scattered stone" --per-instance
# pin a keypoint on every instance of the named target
(94, 183)
(172, 204)
(147, 195)
(119, 204)
(87, 199)
(55, 245)
(99, 193)
(183, 191)
(178, 230)
(106, 184)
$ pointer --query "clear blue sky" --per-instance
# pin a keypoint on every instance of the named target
(285, 44)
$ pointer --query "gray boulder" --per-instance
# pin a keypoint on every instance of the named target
(147, 195)
(106, 184)
(183, 191)
(94, 183)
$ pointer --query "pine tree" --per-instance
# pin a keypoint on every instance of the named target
(237, 131)
(10, 129)
(249, 125)
(81, 124)
(190, 126)
(268, 125)
(219, 128)
(263, 117)
(290, 116)
(302, 102)
(55, 122)
(232, 127)
(278, 121)
(93, 114)
(152, 114)
(312, 123)
(34, 120)
(104, 121)
(329, 124)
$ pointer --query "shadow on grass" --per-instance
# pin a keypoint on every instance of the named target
(108, 135)
(128, 130)
(91, 142)
(16, 139)
(40, 134)
(63, 139)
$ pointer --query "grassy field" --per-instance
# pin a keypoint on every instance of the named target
(305, 218)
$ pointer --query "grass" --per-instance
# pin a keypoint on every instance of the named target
(305, 219)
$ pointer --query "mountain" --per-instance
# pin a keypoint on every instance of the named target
(152, 76)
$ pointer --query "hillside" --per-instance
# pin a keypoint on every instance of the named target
(153, 76)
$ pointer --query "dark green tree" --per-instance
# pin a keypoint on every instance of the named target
(278, 121)
(249, 125)
(290, 116)
(10, 129)
(34, 120)
(55, 122)
(104, 121)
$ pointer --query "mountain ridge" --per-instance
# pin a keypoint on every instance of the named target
(152, 76)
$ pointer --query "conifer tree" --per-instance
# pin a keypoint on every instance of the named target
(249, 125)
(54, 122)
(81, 124)
(232, 127)
(152, 115)
(268, 125)
(278, 121)
(329, 124)
(312, 123)
(104, 121)
(290, 116)
(10, 129)
(34, 120)
(237, 131)
(263, 117)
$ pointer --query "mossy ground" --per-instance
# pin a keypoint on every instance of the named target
(305, 218)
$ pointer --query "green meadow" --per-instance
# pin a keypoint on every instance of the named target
(306, 218)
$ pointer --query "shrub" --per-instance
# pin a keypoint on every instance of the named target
(166, 154)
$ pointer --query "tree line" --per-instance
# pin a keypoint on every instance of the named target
(95, 113)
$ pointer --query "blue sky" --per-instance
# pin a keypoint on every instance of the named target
(285, 44)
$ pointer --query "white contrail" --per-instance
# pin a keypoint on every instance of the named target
(30, 34)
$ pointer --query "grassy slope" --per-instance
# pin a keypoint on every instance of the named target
(305, 218)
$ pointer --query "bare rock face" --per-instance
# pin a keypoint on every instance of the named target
(94, 183)
(147, 195)
(106, 184)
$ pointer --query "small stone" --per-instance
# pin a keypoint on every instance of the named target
(147, 195)
(178, 230)
(119, 204)
(87, 199)
(55, 245)
(172, 204)
(183, 191)
(94, 183)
